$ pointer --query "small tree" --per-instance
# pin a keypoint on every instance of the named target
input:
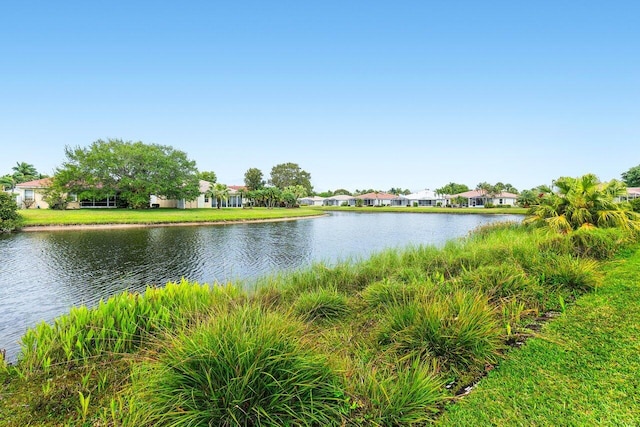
(219, 192)
(10, 219)
(632, 177)
(253, 179)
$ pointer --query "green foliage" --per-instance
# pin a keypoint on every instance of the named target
(219, 192)
(386, 293)
(501, 281)
(410, 395)
(253, 179)
(10, 219)
(209, 176)
(452, 188)
(55, 198)
(133, 171)
(572, 273)
(632, 177)
(583, 202)
(359, 203)
(119, 325)
(288, 174)
(459, 329)
(322, 304)
(247, 368)
(635, 204)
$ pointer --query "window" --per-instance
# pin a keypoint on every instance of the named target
(28, 194)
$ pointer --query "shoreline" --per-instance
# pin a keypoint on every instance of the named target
(64, 227)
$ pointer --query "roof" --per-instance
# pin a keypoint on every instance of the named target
(237, 187)
(37, 183)
(379, 196)
(314, 198)
(482, 193)
(341, 197)
(204, 186)
(633, 190)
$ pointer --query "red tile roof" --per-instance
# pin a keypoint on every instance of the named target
(37, 183)
(380, 196)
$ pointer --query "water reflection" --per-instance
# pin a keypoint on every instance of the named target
(43, 274)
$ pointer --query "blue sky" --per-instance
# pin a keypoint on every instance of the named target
(361, 94)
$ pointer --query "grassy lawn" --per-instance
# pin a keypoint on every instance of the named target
(34, 217)
(517, 211)
(583, 370)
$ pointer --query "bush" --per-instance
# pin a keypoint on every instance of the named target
(459, 329)
(10, 219)
(409, 396)
(635, 204)
(246, 368)
(323, 304)
(387, 293)
(489, 205)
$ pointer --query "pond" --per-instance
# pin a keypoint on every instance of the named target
(43, 274)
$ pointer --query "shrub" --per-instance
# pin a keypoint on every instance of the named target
(489, 205)
(10, 219)
(387, 292)
(323, 304)
(459, 329)
(409, 396)
(635, 204)
(245, 368)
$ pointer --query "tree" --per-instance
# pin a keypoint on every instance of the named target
(527, 198)
(253, 179)
(10, 219)
(583, 202)
(219, 192)
(398, 191)
(452, 188)
(288, 174)
(209, 176)
(342, 192)
(632, 177)
(23, 172)
(132, 171)
(8, 181)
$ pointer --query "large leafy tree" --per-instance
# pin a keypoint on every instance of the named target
(288, 174)
(583, 202)
(632, 177)
(132, 171)
(253, 179)
(452, 188)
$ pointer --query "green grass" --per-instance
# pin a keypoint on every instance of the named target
(369, 209)
(35, 217)
(583, 369)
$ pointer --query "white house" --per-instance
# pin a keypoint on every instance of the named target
(424, 198)
(479, 198)
(340, 200)
(377, 199)
(311, 201)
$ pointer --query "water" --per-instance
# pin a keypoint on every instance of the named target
(43, 274)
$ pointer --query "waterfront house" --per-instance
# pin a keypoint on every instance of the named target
(479, 198)
(311, 201)
(377, 199)
(340, 200)
(30, 195)
(422, 198)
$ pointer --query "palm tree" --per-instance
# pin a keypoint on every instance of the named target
(583, 202)
(219, 192)
(8, 181)
(23, 172)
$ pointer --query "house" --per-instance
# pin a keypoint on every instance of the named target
(423, 198)
(235, 198)
(340, 200)
(377, 199)
(311, 201)
(30, 195)
(632, 193)
(479, 198)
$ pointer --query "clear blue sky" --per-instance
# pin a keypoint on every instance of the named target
(361, 94)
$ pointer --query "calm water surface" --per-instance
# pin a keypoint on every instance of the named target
(43, 274)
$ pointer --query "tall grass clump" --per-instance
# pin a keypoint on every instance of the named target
(409, 395)
(246, 368)
(119, 325)
(596, 243)
(459, 329)
(323, 304)
(502, 281)
(389, 292)
(570, 273)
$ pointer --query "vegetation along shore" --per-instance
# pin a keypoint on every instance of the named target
(397, 339)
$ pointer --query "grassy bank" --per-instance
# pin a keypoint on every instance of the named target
(44, 217)
(515, 210)
(583, 369)
(386, 341)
